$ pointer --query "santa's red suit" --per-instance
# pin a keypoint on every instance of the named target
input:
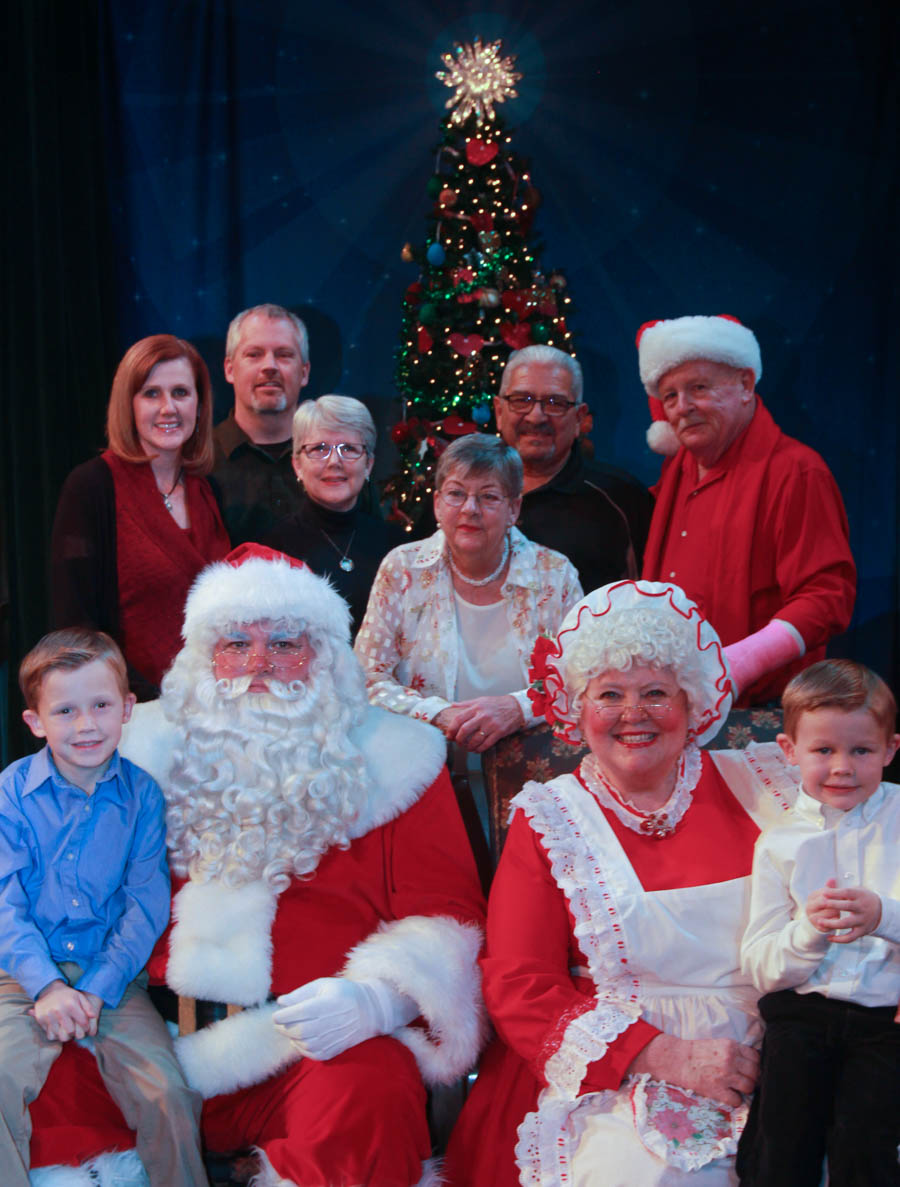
(401, 903)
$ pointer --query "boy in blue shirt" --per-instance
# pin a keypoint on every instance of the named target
(84, 895)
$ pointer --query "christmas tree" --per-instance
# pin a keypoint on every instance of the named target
(481, 292)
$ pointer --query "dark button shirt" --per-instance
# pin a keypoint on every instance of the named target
(255, 485)
(596, 515)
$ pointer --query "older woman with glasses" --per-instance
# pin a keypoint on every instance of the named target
(334, 449)
(612, 972)
(451, 620)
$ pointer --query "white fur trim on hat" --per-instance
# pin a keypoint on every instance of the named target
(662, 438)
(259, 589)
(720, 339)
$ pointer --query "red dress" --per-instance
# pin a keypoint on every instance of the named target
(402, 903)
(576, 983)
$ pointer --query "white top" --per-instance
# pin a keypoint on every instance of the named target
(489, 661)
(781, 948)
(408, 643)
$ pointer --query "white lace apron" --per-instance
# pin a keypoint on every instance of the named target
(671, 957)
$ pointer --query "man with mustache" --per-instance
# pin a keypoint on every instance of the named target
(267, 362)
(749, 522)
(326, 912)
(594, 514)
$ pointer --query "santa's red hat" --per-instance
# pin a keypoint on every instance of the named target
(665, 344)
(254, 583)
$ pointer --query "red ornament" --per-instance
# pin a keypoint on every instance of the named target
(466, 344)
(425, 341)
(481, 152)
(401, 433)
(516, 301)
(517, 336)
(482, 222)
(462, 276)
(447, 197)
(414, 292)
(455, 426)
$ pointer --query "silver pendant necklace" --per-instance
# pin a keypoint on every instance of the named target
(167, 494)
(345, 563)
(483, 580)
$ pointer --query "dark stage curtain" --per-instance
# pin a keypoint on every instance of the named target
(60, 336)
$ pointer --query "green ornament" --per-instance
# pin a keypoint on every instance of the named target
(428, 314)
(434, 186)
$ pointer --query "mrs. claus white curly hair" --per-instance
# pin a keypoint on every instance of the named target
(635, 624)
(263, 785)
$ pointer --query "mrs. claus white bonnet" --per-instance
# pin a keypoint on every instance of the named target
(632, 623)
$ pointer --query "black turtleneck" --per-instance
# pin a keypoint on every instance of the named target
(321, 536)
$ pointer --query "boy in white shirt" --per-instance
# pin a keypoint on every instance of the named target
(823, 945)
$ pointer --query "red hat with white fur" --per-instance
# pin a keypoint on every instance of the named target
(254, 583)
(665, 344)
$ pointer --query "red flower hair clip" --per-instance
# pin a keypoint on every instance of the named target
(538, 672)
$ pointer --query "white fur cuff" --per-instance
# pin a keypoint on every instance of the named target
(433, 960)
(239, 1051)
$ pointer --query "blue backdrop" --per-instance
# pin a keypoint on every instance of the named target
(693, 158)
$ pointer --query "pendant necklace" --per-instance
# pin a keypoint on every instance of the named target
(483, 580)
(167, 495)
(345, 563)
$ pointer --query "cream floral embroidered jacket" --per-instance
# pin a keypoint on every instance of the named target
(408, 643)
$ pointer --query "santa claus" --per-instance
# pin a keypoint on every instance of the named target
(321, 958)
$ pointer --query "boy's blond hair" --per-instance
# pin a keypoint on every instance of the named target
(838, 684)
(71, 648)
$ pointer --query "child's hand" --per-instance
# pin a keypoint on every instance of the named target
(860, 912)
(63, 1013)
(852, 911)
(820, 907)
(95, 1005)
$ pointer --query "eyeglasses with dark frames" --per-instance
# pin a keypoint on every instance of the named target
(523, 402)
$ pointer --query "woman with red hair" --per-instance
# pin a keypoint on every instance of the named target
(135, 526)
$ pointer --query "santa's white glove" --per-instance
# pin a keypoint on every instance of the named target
(326, 1016)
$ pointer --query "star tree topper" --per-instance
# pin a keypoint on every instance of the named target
(480, 77)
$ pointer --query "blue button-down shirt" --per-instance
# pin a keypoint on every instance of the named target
(82, 877)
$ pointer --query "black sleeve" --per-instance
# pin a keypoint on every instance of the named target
(639, 509)
(84, 583)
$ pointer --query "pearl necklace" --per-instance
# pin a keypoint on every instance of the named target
(659, 823)
(483, 580)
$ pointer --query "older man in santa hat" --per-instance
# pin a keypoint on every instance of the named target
(748, 521)
(326, 909)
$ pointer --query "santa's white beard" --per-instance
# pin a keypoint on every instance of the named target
(264, 784)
